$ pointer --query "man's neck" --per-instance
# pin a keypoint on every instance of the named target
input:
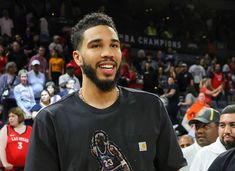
(97, 98)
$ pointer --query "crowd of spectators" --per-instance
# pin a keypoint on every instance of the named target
(37, 69)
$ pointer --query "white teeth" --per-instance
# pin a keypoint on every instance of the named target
(106, 66)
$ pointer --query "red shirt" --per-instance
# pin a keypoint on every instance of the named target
(17, 146)
(217, 80)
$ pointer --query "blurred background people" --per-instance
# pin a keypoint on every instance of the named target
(8, 81)
(36, 79)
(53, 90)
(24, 94)
(45, 100)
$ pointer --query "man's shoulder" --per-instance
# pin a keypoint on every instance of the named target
(139, 93)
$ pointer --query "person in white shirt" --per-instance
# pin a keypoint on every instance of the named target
(225, 141)
(6, 24)
(198, 72)
(63, 79)
(36, 79)
(206, 131)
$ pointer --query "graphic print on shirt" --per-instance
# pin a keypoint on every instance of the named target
(107, 153)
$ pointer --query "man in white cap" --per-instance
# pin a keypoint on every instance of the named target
(36, 79)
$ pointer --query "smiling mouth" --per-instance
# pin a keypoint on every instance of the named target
(106, 66)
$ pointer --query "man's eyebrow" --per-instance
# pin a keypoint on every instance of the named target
(99, 40)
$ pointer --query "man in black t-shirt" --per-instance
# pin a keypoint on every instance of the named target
(136, 121)
(224, 162)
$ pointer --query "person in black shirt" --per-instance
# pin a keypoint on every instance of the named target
(136, 121)
(224, 162)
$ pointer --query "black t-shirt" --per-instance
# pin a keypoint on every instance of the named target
(183, 80)
(224, 162)
(137, 123)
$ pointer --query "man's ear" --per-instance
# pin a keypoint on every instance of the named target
(77, 57)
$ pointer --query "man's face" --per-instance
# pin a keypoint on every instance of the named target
(217, 67)
(185, 141)
(100, 56)
(206, 133)
(16, 47)
(36, 68)
(201, 97)
(227, 130)
(41, 51)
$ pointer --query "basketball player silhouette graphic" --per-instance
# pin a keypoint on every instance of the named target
(108, 155)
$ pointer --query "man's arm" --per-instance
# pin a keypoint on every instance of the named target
(168, 155)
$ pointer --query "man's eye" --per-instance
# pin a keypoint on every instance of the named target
(115, 45)
(95, 46)
(221, 125)
(232, 124)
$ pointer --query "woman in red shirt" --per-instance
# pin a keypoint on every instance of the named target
(14, 140)
(208, 91)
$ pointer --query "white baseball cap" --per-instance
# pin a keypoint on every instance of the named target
(35, 62)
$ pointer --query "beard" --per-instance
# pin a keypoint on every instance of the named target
(104, 85)
(228, 145)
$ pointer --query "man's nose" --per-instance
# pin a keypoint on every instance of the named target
(107, 52)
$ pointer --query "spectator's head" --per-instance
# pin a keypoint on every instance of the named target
(185, 141)
(16, 46)
(35, 65)
(11, 68)
(45, 98)
(183, 67)
(171, 80)
(89, 21)
(217, 68)
(56, 39)
(201, 98)
(206, 126)
(198, 59)
(41, 51)
(141, 54)
(149, 56)
(227, 127)
(70, 69)
(23, 75)
(15, 116)
(51, 88)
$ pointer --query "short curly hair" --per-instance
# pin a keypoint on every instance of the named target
(88, 21)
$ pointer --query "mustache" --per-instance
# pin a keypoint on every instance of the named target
(228, 134)
(107, 59)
